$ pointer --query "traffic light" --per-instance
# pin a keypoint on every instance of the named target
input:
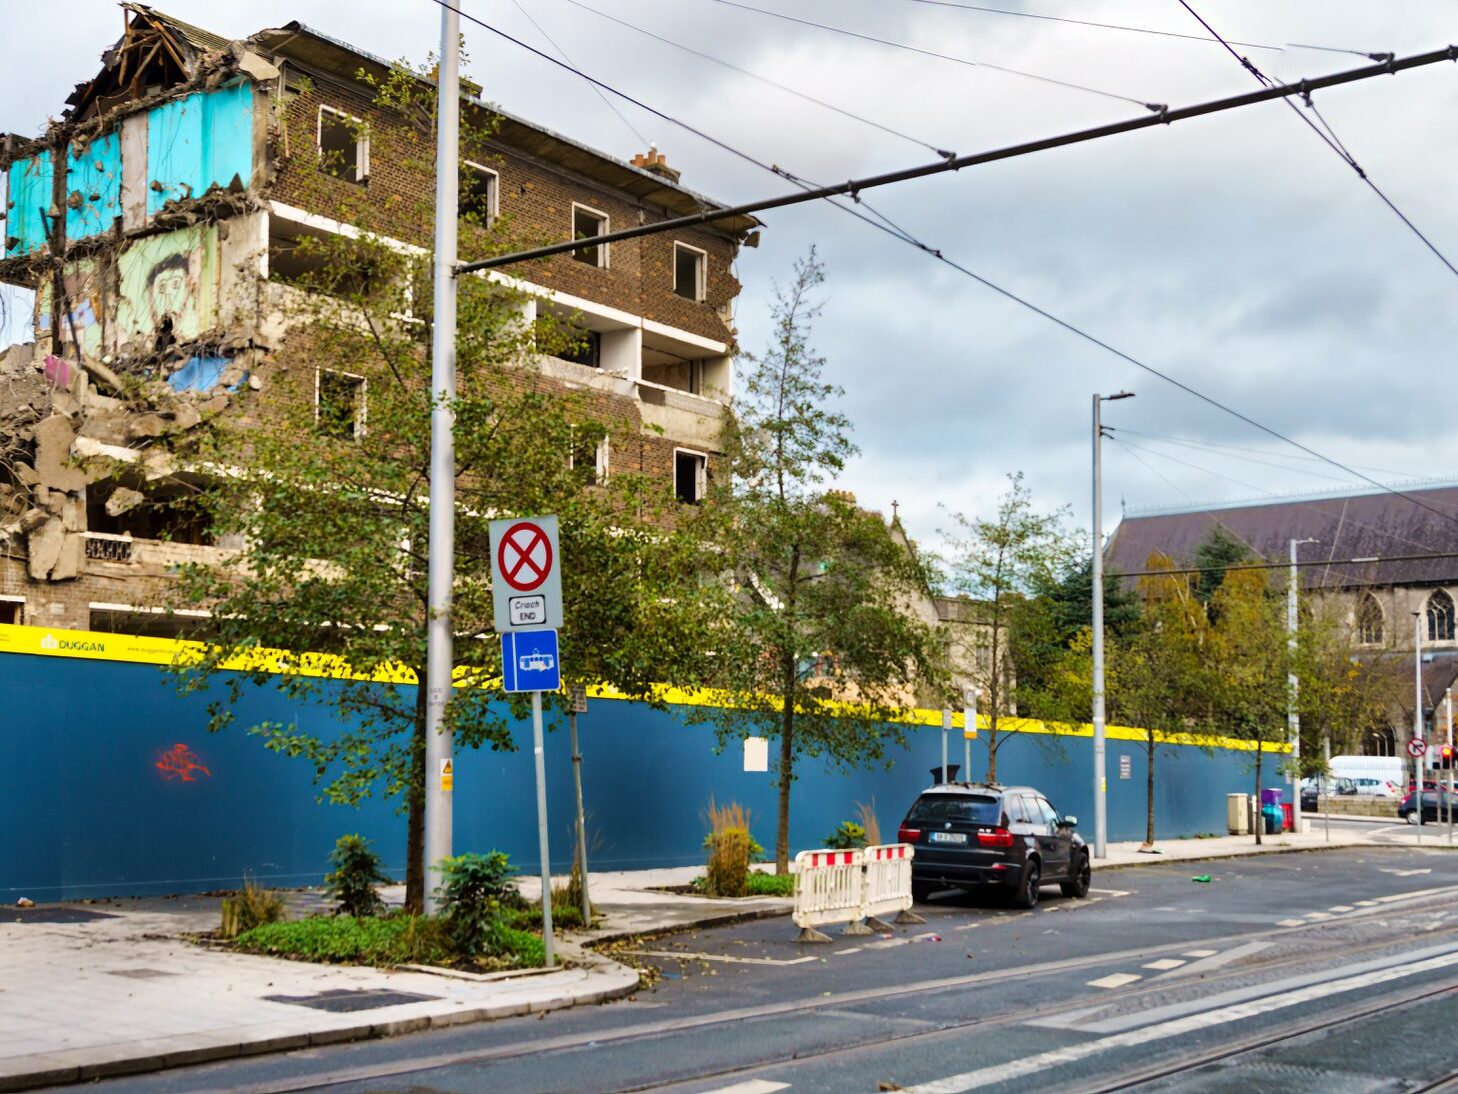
(1444, 758)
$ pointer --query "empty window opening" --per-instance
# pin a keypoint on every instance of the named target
(1369, 621)
(588, 454)
(480, 188)
(584, 349)
(688, 271)
(689, 476)
(587, 223)
(344, 149)
(171, 511)
(12, 612)
(1440, 617)
(147, 623)
(339, 405)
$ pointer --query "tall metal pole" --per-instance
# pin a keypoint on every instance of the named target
(1448, 716)
(581, 822)
(969, 725)
(441, 566)
(1417, 717)
(1293, 690)
(539, 749)
(1101, 825)
(946, 727)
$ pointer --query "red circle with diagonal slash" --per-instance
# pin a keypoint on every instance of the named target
(514, 561)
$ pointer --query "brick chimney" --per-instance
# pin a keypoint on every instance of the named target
(655, 162)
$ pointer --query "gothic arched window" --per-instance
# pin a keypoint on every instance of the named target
(1440, 617)
(1369, 621)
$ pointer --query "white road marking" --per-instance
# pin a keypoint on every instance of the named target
(1111, 892)
(1164, 964)
(1114, 980)
(684, 955)
(1031, 1065)
(847, 953)
(1215, 961)
(1366, 904)
(753, 1086)
(1201, 953)
(1405, 873)
(1340, 908)
(1291, 923)
(1318, 916)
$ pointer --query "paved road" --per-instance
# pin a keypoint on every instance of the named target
(1331, 972)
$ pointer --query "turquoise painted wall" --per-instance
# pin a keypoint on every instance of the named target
(29, 182)
(96, 175)
(198, 142)
(87, 811)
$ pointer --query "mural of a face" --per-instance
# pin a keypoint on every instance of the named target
(167, 290)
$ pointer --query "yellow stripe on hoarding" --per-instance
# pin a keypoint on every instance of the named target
(135, 649)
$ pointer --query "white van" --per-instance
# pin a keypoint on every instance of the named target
(1374, 776)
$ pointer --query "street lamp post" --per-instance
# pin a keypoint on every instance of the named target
(1293, 691)
(1101, 820)
(1417, 719)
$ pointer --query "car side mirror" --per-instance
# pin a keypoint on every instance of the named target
(1068, 822)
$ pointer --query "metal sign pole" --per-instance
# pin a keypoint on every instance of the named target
(542, 828)
(969, 730)
(946, 725)
(1417, 720)
(581, 820)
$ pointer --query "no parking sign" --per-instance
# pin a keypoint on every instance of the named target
(526, 574)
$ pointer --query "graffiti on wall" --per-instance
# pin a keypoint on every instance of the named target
(167, 287)
(180, 764)
(84, 304)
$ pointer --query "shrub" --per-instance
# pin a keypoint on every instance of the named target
(758, 884)
(866, 814)
(848, 836)
(729, 841)
(351, 885)
(252, 907)
(390, 940)
(474, 891)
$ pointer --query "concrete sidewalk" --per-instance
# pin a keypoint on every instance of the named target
(116, 987)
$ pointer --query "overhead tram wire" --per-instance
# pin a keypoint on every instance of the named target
(853, 188)
(1218, 447)
(1104, 26)
(596, 90)
(1211, 451)
(763, 79)
(1153, 107)
(1329, 138)
(1312, 565)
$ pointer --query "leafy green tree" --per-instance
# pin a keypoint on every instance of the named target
(818, 648)
(1248, 662)
(1001, 562)
(324, 494)
(1157, 675)
(1215, 552)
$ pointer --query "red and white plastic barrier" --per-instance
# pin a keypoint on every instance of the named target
(850, 886)
(888, 880)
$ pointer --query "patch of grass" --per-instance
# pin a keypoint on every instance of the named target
(758, 884)
(390, 940)
(755, 884)
(345, 939)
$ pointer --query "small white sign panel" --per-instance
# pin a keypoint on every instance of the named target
(526, 574)
(756, 754)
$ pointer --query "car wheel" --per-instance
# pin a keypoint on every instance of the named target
(1412, 817)
(1077, 885)
(921, 891)
(1027, 892)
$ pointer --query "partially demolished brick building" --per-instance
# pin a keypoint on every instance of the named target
(157, 224)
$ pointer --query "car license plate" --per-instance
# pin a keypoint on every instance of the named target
(949, 837)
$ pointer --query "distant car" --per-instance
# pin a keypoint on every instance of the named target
(1374, 788)
(976, 836)
(1326, 788)
(1436, 804)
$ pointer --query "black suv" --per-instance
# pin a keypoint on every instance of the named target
(970, 835)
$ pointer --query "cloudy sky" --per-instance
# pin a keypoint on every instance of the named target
(1234, 252)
